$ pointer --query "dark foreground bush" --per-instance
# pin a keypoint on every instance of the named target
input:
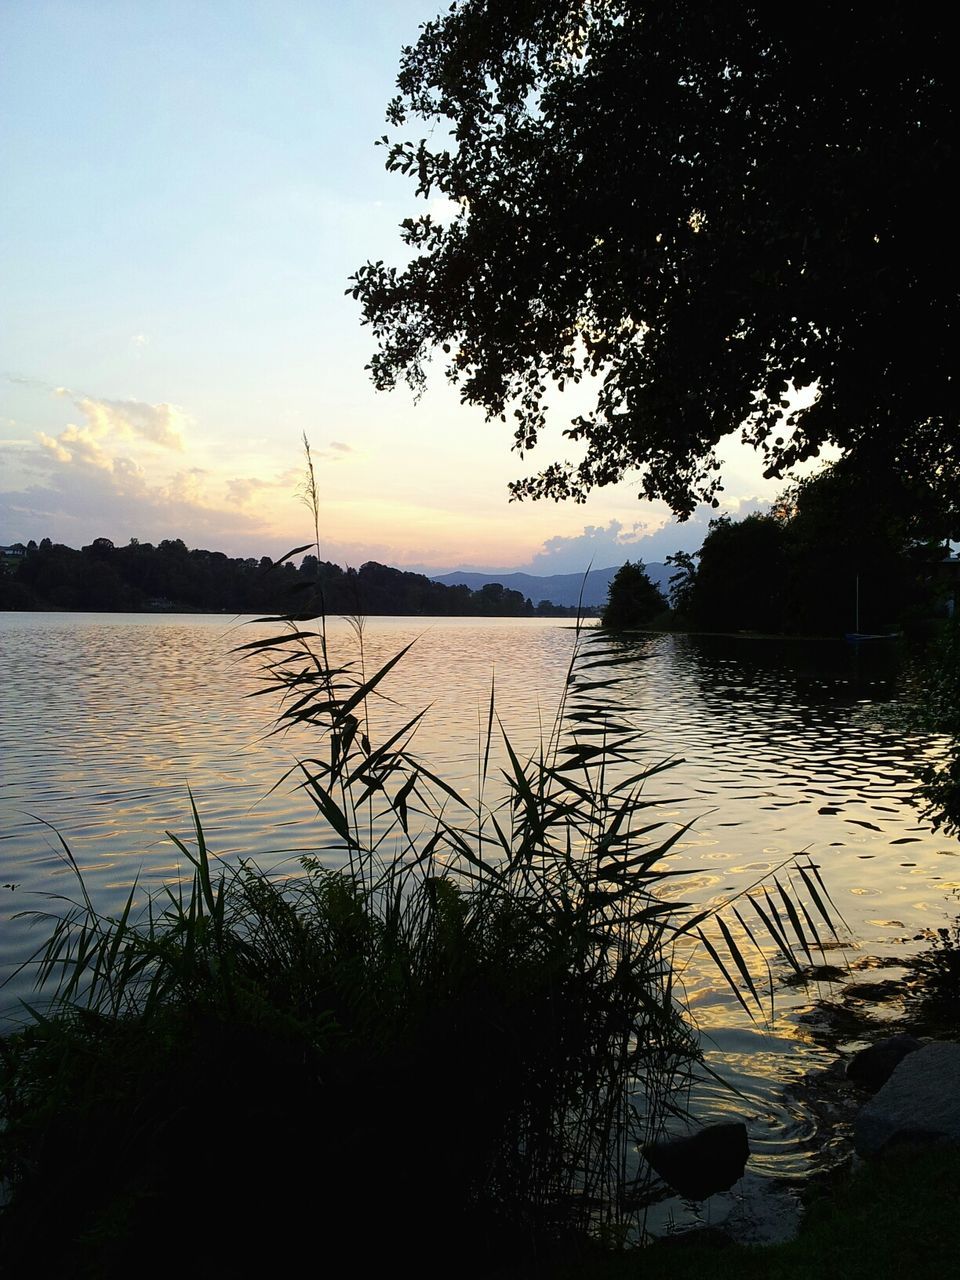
(305, 1066)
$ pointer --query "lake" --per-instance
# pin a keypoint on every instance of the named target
(109, 719)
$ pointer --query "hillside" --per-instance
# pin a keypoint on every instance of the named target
(558, 588)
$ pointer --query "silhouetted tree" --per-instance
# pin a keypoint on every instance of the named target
(632, 599)
(858, 536)
(682, 580)
(939, 689)
(740, 578)
(706, 204)
(800, 567)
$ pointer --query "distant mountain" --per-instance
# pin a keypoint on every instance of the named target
(558, 588)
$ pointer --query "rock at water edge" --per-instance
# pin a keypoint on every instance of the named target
(919, 1104)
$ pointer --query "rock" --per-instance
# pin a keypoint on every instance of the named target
(873, 1066)
(704, 1163)
(919, 1104)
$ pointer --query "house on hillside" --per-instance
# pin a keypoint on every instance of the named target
(11, 556)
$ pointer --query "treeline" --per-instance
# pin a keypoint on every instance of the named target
(142, 577)
(837, 553)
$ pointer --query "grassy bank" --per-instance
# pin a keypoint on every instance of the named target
(897, 1218)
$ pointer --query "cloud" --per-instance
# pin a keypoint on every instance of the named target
(611, 544)
(120, 501)
(161, 424)
(335, 451)
(186, 487)
(242, 489)
(84, 447)
(110, 420)
(55, 447)
(121, 469)
(78, 446)
(118, 471)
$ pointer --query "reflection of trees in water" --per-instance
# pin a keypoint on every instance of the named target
(787, 713)
(795, 672)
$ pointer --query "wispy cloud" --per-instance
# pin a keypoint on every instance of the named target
(162, 424)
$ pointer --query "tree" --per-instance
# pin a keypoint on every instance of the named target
(682, 579)
(835, 541)
(100, 549)
(739, 582)
(632, 599)
(861, 555)
(702, 206)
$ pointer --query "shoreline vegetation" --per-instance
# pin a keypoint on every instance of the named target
(458, 1042)
(142, 578)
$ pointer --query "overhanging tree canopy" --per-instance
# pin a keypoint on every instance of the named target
(703, 205)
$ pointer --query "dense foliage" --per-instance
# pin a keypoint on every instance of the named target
(633, 600)
(704, 204)
(169, 576)
(836, 554)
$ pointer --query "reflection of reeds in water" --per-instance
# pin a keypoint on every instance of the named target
(480, 996)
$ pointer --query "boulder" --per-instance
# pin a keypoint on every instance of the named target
(703, 1163)
(873, 1066)
(919, 1104)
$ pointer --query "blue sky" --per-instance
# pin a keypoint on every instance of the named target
(185, 190)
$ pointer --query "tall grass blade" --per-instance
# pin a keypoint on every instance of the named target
(715, 957)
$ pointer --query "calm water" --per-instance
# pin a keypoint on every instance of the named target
(108, 719)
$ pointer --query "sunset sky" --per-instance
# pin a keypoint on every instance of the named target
(184, 190)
